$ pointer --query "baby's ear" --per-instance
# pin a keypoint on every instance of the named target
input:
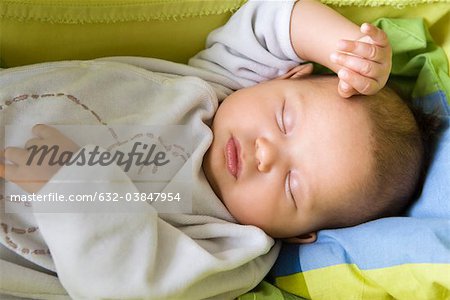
(298, 71)
(302, 239)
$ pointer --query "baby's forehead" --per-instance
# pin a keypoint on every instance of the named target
(311, 86)
(324, 81)
(322, 88)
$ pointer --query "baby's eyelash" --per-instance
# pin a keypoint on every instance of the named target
(288, 187)
(283, 128)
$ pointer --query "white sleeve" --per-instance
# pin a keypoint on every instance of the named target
(254, 45)
(140, 256)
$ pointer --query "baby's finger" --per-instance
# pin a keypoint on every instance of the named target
(45, 131)
(2, 161)
(34, 142)
(6, 170)
(361, 49)
(376, 34)
(16, 155)
(362, 84)
(2, 171)
(2, 157)
(345, 90)
(362, 66)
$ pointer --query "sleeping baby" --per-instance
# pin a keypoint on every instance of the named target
(287, 152)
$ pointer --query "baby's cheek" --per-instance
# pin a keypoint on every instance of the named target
(249, 209)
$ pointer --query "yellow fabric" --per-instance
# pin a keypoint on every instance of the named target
(48, 30)
(425, 281)
(34, 31)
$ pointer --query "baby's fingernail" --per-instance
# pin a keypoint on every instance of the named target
(342, 73)
(334, 57)
(344, 87)
(341, 45)
(365, 27)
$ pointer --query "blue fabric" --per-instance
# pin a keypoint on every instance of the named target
(369, 247)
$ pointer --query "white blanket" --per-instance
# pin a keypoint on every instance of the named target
(128, 255)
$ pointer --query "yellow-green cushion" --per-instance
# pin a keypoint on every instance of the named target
(46, 30)
(34, 31)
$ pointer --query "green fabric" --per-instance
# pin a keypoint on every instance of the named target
(419, 66)
(266, 291)
(111, 11)
(393, 3)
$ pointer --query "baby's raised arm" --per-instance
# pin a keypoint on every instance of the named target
(360, 56)
(263, 40)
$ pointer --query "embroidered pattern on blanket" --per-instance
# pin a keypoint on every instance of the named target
(14, 245)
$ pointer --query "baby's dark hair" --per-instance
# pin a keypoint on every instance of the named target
(401, 141)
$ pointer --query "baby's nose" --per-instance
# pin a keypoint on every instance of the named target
(266, 153)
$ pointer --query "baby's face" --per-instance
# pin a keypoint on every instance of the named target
(289, 155)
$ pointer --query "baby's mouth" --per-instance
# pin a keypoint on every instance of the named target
(232, 156)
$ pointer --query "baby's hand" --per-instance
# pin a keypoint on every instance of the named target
(28, 172)
(366, 62)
